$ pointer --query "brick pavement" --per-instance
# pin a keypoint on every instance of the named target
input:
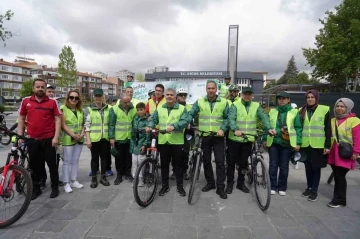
(110, 212)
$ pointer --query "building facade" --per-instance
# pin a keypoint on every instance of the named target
(122, 74)
(243, 78)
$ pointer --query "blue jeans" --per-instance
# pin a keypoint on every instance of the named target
(279, 159)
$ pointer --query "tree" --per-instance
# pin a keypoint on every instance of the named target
(303, 78)
(26, 88)
(4, 33)
(67, 72)
(140, 77)
(336, 56)
(290, 73)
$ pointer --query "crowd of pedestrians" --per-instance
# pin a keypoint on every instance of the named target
(121, 130)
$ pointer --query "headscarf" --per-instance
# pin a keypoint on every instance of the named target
(349, 106)
(306, 106)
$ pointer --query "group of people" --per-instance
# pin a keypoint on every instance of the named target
(121, 130)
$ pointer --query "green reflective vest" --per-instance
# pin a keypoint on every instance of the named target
(188, 107)
(123, 125)
(290, 118)
(211, 121)
(75, 124)
(223, 90)
(344, 129)
(313, 133)
(246, 121)
(165, 120)
(99, 128)
(235, 100)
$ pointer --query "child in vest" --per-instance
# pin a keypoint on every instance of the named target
(139, 140)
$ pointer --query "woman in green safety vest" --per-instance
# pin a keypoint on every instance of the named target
(347, 126)
(97, 137)
(316, 141)
(72, 124)
(286, 122)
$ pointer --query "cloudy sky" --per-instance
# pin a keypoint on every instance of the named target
(184, 35)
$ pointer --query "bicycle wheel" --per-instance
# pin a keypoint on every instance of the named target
(21, 183)
(249, 172)
(331, 177)
(262, 183)
(194, 175)
(145, 182)
(13, 204)
(5, 139)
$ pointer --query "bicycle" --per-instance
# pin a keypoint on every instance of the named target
(149, 168)
(14, 174)
(195, 162)
(5, 138)
(259, 176)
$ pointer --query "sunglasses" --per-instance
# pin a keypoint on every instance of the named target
(182, 95)
(73, 97)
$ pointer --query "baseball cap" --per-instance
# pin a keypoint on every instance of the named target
(283, 94)
(247, 90)
(48, 86)
(227, 76)
(98, 92)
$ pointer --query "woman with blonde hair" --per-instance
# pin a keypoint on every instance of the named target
(72, 138)
(345, 148)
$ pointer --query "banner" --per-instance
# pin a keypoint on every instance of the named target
(196, 89)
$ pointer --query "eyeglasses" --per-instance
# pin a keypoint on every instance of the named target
(182, 95)
(73, 97)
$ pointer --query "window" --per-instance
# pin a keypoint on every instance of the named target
(5, 77)
(92, 79)
(26, 72)
(4, 68)
(50, 81)
(16, 69)
(57, 95)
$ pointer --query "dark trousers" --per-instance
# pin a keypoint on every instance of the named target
(41, 151)
(171, 153)
(100, 149)
(313, 175)
(217, 144)
(123, 162)
(237, 153)
(340, 184)
(44, 177)
(184, 156)
(279, 162)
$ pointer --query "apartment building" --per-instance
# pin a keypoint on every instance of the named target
(122, 74)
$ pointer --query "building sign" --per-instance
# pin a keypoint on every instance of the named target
(24, 58)
(201, 73)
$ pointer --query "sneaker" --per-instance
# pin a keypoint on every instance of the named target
(104, 181)
(54, 193)
(164, 190)
(273, 192)
(76, 184)
(282, 193)
(94, 182)
(181, 191)
(335, 205)
(306, 193)
(67, 188)
(173, 176)
(118, 179)
(109, 172)
(36, 194)
(129, 178)
(242, 188)
(313, 196)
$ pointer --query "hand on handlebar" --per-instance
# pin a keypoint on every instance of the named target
(272, 132)
(170, 129)
(238, 133)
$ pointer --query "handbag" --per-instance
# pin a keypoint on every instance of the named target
(345, 149)
(285, 137)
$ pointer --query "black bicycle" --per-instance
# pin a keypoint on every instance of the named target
(147, 178)
(5, 138)
(258, 173)
(196, 161)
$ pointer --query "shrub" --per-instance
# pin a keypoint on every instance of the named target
(2, 108)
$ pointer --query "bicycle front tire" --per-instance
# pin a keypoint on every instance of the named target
(9, 194)
(149, 179)
(195, 177)
(5, 139)
(262, 181)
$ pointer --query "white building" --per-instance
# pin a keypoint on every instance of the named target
(161, 69)
(122, 74)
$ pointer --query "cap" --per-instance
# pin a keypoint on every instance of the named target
(283, 94)
(152, 91)
(98, 92)
(130, 76)
(247, 90)
(50, 86)
(294, 105)
(234, 88)
(181, 91)
(227, 76)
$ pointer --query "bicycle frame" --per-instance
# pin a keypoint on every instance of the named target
(9, 163)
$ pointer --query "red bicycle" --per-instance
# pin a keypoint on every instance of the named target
(15, 186)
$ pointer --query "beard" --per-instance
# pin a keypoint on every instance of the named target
(40, 93)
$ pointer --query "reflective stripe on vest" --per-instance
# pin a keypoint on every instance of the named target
(290, 118)
(246, 121)
(313, 133)
(344, 129)
(165, 120)
(75, 124)
(123, 126)
(211, 121)
(98, 127)
(153, 107)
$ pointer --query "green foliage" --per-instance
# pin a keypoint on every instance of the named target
(4, 33)
(26, 88)
(140, 77)
(67, 71)
(336, 56)
(303, 78)
(11, 108)
(2, 108)
(290, 73)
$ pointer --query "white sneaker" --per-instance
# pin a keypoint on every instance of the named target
(282, 193)
(67, 188)
(273, 192)
(76, 184)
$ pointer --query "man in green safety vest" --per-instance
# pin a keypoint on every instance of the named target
(120, 128)
(243, 116)
(173, 118)
(233, 94)
(224, 87)
(213, 113)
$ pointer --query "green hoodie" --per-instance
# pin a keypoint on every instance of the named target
(297, 125)
(139, 139)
